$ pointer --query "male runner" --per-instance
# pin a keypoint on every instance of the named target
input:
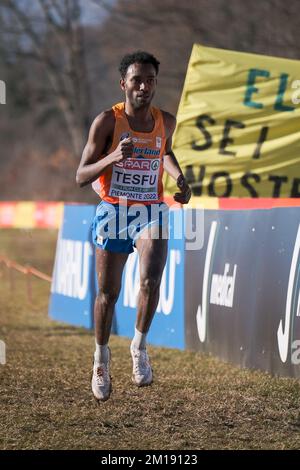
(128, 148)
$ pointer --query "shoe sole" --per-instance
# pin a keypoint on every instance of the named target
(142, 384)
(102, 400)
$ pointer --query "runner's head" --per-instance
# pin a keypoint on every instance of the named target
(139, 72)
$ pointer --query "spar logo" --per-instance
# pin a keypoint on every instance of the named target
(139, 164)
(286, 329)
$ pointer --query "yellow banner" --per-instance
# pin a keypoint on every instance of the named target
(238, 125)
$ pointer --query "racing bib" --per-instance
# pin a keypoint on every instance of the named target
(136, 179)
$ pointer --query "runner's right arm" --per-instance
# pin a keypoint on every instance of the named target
(94, 160)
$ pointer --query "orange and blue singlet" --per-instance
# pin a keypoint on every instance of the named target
(136, 181)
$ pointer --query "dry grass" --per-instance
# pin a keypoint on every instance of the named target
(196, 402)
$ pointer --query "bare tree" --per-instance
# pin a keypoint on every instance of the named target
(49, 33)
(169, 28)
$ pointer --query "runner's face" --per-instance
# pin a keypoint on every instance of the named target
(139, 84)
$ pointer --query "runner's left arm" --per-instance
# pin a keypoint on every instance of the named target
(171, 165)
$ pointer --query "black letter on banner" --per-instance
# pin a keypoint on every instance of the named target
(262, 137)
(211, 189)
(296, 188)
(226, 139)
(189, 174)
(190, 178)
(278, 180)
(247, 185)
(206, 134)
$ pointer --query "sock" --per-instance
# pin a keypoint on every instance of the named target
(139, 340)
(101, 355)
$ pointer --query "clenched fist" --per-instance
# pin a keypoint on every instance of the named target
(185, 191)
(123, 151)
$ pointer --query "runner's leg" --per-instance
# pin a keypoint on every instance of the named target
(109, 267)
(152, 257)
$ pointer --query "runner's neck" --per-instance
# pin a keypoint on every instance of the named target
(140, 120)
(143, 115)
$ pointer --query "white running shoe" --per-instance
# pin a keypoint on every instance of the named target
(101, 381)
(142, 371)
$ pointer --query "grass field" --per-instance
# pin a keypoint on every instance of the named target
(196, 402)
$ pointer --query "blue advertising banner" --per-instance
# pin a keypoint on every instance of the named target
(73, 282)
(242, 296)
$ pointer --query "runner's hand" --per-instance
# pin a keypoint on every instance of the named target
(123, 151)
(185, 191)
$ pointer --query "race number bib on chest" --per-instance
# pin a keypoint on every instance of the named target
(136, 178)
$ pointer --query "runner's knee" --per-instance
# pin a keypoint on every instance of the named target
(108, 297)
(150, 284)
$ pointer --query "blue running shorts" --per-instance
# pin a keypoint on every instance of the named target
(116, 227)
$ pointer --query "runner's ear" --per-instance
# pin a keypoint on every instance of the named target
(122, 83)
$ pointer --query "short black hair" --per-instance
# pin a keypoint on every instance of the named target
(138, 57)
